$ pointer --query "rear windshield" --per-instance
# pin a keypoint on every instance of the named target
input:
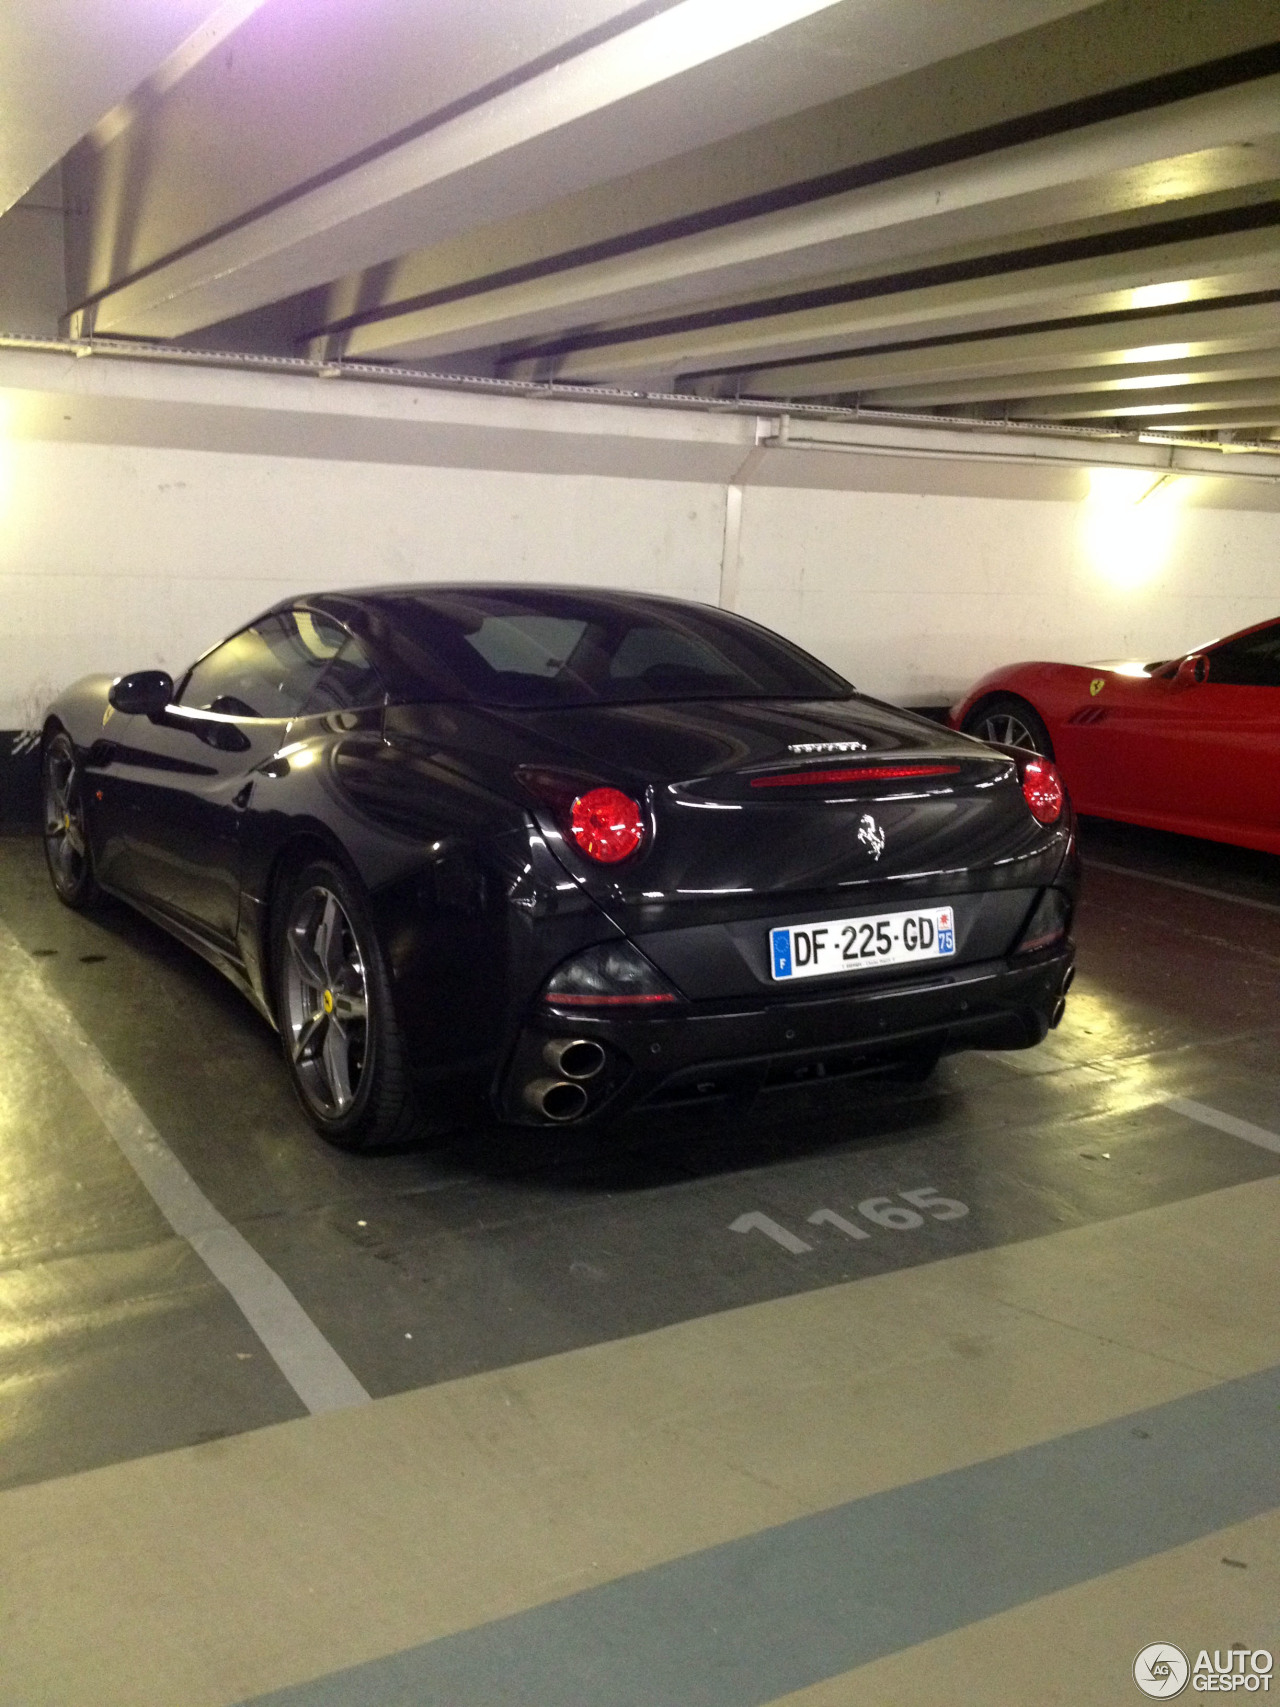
(551, 649)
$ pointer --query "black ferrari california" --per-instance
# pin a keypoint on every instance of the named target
(572, 851)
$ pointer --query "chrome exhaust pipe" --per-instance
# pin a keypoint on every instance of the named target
(555, 1099)
(575, 1057)
(1058, 1012)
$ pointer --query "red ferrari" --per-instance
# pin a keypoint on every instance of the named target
(1190, 744)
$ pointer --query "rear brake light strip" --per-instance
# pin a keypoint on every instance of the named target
(863, 773)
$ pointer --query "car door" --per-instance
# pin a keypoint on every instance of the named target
(179, 783)
(1190, 749)
(1231, 735)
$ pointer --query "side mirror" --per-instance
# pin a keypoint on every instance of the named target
(145, 693)
(1192, 671)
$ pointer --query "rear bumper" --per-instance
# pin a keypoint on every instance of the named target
(709, 1051)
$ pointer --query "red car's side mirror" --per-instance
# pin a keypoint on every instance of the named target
(1192, 671)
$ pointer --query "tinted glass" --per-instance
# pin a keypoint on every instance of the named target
(1252, 661)
(267, 670)
(548, 648)
(349, 683)
(527, 644)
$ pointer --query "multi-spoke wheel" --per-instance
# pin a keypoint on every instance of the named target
(1010, 722)
(66, 840)
(337, 1021)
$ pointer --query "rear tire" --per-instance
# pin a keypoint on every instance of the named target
(67, 849)
(343, 1047)
(1010, 721)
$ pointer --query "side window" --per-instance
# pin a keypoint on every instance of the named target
(268, 669)
(349, 683)
(1252, 661)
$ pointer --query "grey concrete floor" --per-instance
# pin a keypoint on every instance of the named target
(501, 1247)
(680, 1411)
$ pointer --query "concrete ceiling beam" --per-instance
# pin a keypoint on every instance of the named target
(1223, 265)
(1201, 399)
(1188, 151)
(1125, 339)
(1114, 378)
(67, 65)
(694, 73)
(1256, 422)
(960, 106)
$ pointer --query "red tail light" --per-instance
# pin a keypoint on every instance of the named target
(1043, 791)
(607, 825)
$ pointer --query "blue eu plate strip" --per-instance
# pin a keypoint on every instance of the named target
(781, 941)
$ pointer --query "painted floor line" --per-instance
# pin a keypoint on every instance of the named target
(302, 1354)
(744, 1622)
(1226, 1123)
(1180, 883)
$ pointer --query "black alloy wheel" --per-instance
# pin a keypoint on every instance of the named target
(342, 1043)
(1010, 722)
(66, 840)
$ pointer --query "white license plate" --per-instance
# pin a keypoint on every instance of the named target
(856, 945)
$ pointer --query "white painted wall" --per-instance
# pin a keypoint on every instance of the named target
(115, 558)
(915, 595)
(143, 551)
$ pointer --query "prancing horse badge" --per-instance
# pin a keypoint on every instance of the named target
(871, 835)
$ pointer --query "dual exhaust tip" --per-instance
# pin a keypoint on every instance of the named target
(1060, 1007)
(573, 1061)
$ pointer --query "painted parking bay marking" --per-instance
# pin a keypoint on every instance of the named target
(755, 1222)
(829, 1218)
(1228, 1123)
(1179, 883)
(301, 1353)
(880, 1211)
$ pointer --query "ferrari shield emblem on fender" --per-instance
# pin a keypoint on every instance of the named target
(871, 835)
(1096, 686)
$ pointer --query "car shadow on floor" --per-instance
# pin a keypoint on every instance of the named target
(652, 1148)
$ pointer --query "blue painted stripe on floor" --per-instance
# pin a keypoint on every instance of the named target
(745, 1622)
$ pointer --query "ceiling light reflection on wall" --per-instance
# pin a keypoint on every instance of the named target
(1129, 522)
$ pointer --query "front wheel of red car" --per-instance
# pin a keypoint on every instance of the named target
(342, 1042)
(1010, 721)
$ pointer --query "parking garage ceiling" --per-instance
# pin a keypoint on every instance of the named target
(1034, 210)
